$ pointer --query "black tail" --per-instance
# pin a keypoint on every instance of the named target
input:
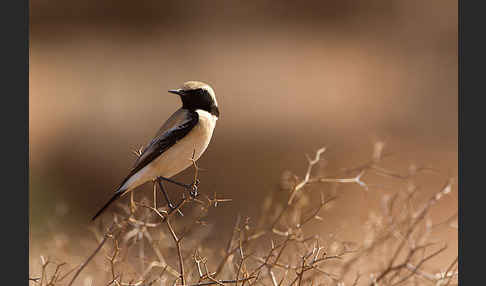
(117, 194)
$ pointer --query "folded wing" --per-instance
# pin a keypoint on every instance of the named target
(174, 129)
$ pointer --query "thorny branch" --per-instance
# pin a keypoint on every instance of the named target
(293, 257)
(107, 235)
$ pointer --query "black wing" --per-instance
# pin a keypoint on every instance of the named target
(163, 142)
(156, 147)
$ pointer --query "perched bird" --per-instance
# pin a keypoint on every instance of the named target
(182, 138)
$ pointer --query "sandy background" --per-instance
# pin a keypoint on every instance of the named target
(290, 77)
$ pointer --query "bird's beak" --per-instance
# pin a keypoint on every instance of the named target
(176, 91)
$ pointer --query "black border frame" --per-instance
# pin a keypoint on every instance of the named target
(471, 64)
(15, 141)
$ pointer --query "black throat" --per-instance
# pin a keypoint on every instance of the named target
(199, 99)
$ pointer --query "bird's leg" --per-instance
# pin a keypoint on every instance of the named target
(174, 182)
(192, 188)
(167, 199)
(166, 195)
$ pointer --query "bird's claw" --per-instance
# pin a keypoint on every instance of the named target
(193, 188)
(172, 208)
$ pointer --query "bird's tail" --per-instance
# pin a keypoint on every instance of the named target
(117, 194)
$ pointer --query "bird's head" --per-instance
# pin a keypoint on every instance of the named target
(197, 95)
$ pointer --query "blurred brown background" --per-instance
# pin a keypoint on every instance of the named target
(290, 77)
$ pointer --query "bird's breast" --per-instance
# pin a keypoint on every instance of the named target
(180, 155)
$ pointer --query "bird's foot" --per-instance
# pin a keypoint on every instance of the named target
(193, 188)
(172, 208)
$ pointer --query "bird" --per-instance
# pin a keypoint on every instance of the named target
(180, 141)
